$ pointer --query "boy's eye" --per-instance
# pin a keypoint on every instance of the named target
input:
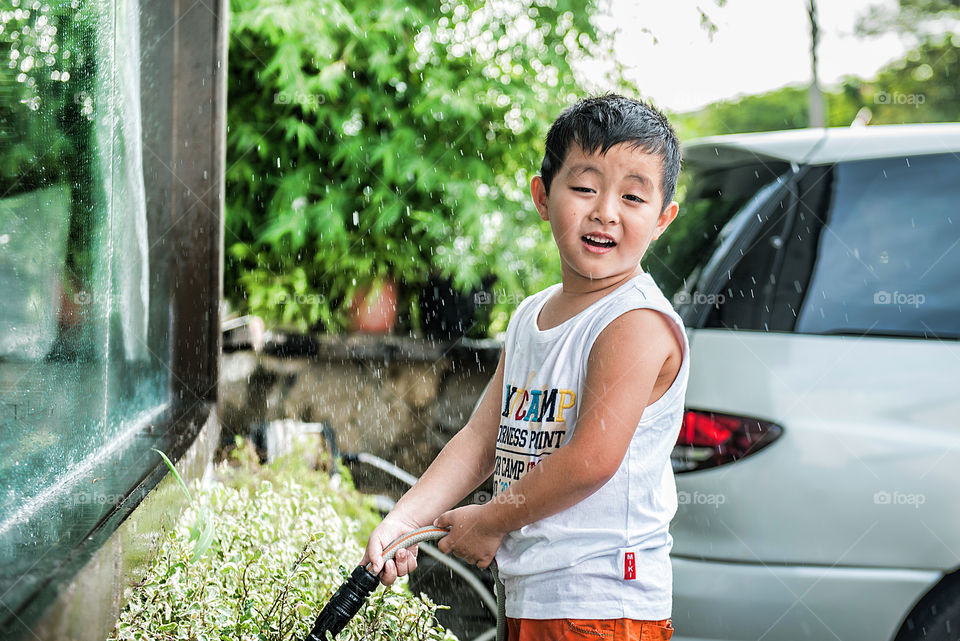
(582, 189)
(636, 199)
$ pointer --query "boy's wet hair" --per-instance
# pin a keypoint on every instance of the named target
(603, 121)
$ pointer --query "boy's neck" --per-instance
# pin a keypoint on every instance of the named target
(577, 286)
(576, 294)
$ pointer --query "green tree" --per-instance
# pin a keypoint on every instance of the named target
(922, 87)
(919, 18)
(376, 140)
(784, 108)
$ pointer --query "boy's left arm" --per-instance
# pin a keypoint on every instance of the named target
(622, 370)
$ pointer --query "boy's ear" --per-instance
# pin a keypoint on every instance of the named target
(666, 217)
(539, 192)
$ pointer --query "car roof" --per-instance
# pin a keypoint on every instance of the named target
(828, 145)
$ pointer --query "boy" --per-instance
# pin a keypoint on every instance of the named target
(584, 408)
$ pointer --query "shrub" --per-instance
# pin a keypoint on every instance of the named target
(283, 540)
(373, 140)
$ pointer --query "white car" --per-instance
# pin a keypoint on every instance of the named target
(818, 469)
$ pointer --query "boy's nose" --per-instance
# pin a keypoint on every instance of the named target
(606, 212)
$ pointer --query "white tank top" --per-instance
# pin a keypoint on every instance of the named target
(608, 556)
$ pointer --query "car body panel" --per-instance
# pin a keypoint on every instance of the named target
(864, 463)
(747, 601)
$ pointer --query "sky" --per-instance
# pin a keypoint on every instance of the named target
(759, 45)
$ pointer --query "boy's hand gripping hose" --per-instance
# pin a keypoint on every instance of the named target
(348, 600)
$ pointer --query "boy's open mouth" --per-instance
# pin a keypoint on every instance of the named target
(598, 240)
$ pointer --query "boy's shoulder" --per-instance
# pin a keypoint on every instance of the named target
(637, 315)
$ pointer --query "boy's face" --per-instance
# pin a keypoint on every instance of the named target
(604, 211)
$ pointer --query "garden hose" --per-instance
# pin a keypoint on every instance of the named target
(349, 598)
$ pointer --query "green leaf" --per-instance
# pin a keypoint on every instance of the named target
(206, 537)
(176, 474)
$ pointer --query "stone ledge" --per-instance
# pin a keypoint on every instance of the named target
(399, 398)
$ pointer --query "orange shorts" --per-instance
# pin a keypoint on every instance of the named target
(588, 630)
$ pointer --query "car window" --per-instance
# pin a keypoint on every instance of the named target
(870, 247)
(742, 301)
(887, 249)
(709, 197)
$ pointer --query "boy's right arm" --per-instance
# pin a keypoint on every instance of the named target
(464, 463)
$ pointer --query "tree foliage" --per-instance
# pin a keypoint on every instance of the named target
(784, 108)
(917, 17)
(923, 86)
(377, 140)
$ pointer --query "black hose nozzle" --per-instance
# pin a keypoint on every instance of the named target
(344, 604)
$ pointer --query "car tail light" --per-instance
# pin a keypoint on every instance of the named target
(708, 439)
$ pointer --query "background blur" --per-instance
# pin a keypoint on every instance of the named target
(394, 143)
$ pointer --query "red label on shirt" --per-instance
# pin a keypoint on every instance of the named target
(629, 566)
